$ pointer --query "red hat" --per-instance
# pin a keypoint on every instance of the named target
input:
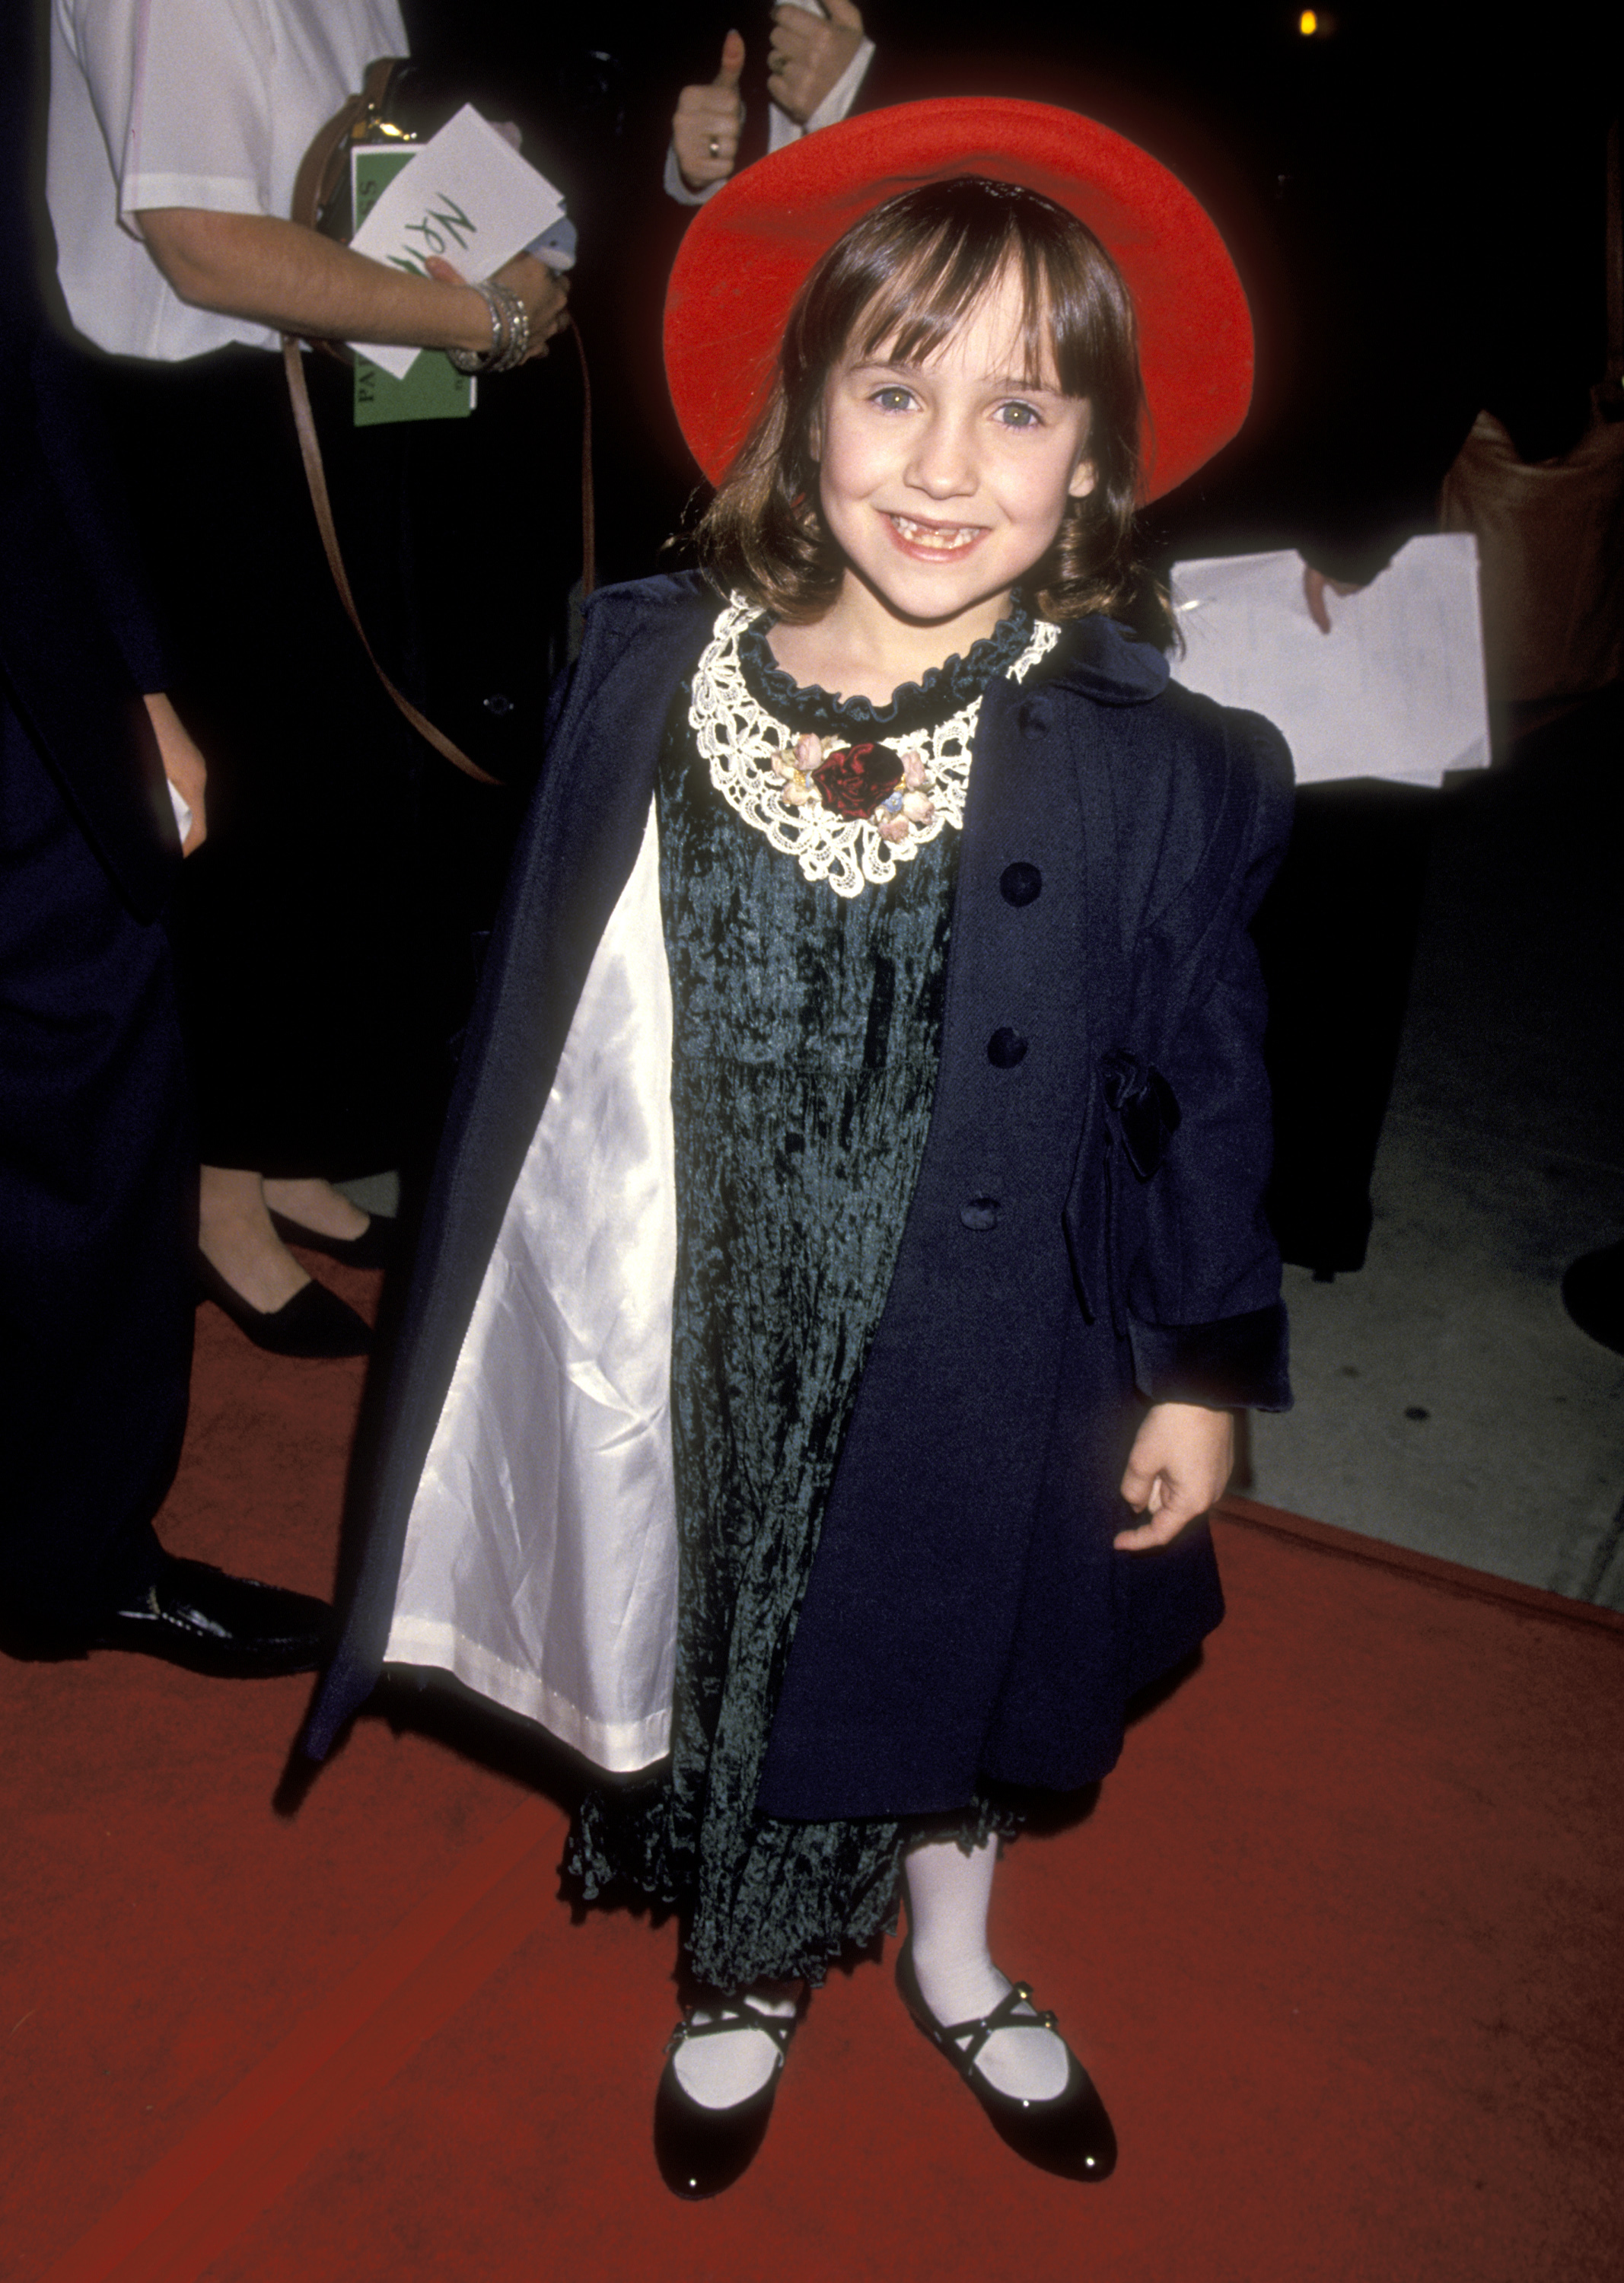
(749, 249)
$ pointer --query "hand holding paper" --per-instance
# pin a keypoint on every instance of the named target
(1397, 690)
(466, 199)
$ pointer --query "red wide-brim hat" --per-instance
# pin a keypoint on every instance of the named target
(749, 249)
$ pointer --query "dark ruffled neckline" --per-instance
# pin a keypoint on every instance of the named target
(945, 691)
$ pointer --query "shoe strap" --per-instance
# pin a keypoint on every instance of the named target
(1002, 2017)
(735, 2013)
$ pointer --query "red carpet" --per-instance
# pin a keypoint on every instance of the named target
(1340, 1943)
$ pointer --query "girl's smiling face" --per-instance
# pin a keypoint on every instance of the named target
(944, 482)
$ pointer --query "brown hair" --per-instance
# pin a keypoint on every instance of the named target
(905, 275)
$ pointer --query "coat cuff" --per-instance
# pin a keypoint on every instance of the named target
(1238, 1363)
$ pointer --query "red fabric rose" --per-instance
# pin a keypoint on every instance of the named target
(853, 781)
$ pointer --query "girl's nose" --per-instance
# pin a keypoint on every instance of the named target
(942, 464)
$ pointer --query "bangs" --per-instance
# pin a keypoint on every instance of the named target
(916, 310)
(905, 277)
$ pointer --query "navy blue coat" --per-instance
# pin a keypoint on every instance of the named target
(1087, 1214)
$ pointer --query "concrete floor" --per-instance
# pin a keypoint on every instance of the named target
(1445, 1402)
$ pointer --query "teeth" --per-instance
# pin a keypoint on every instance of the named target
(944, 542)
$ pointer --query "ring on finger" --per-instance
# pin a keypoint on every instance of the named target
(713, 147)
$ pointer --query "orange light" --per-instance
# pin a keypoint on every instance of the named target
(1307, 23)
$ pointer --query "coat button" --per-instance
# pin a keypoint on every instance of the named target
(1020, 884)
(980, 1213)
(1005, 1048)
(1035, 716)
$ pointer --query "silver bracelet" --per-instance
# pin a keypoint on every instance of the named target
(484, 360)
(516, 343)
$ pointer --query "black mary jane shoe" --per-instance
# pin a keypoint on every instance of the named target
(374, 1248)
(1070, 2135)
(701, 2151)
(314, 1323)
(209, 1621)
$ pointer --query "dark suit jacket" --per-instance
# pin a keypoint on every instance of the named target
(1074, 1227)
(77, 645)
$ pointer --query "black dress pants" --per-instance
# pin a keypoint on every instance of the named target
(97, 1218)
(1336, 935)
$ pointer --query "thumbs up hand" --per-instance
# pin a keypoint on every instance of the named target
(704, 130)
(809, 53)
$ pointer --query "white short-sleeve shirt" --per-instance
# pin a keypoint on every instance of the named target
(186, 103)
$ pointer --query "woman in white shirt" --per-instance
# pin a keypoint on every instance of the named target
(176, 129)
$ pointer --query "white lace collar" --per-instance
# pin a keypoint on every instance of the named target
(880, 802)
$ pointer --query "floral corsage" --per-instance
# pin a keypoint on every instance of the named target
(891, 790)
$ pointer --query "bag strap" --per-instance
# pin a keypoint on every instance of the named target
(1615, 265)
(314, 187)
(315, 476)
(321, 169)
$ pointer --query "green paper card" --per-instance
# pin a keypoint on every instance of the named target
(433, 389)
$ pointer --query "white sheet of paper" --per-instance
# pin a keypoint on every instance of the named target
(466, 195)
(1395, 690)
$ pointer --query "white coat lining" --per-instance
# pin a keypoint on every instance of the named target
(540, 1564)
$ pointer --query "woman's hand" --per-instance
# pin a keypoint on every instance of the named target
(705, 131)
(544, 293)
(183, 764)
(1177, 1469)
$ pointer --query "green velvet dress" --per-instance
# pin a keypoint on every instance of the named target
(808, 1028)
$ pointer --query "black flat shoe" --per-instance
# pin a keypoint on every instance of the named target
(374, 1248)
(233, 1628)
(315, 1322)
(1071, 2135)
(701, 2151)
(1593, 1294)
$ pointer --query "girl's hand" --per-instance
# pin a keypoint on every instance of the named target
(1177, 1469)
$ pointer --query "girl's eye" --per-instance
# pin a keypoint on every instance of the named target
(893, 399)
(1019, 415)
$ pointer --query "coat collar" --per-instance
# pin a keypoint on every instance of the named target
(1101, 659)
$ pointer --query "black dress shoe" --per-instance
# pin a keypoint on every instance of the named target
(701, 2151)
(315, 1322)
(1070, 2135)
(374, 1248)
(1593, 1294)
(211, 1622)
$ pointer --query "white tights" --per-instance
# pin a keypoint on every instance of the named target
(949, 1893)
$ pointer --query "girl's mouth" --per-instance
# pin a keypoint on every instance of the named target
(935, 539)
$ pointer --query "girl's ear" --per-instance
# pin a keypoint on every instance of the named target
(1083, 479)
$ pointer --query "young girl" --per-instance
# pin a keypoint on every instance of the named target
(851, 1195)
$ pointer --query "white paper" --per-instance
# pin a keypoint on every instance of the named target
(1395, 690)
(466, 195)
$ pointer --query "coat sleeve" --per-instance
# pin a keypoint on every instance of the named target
(1197, 1263)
